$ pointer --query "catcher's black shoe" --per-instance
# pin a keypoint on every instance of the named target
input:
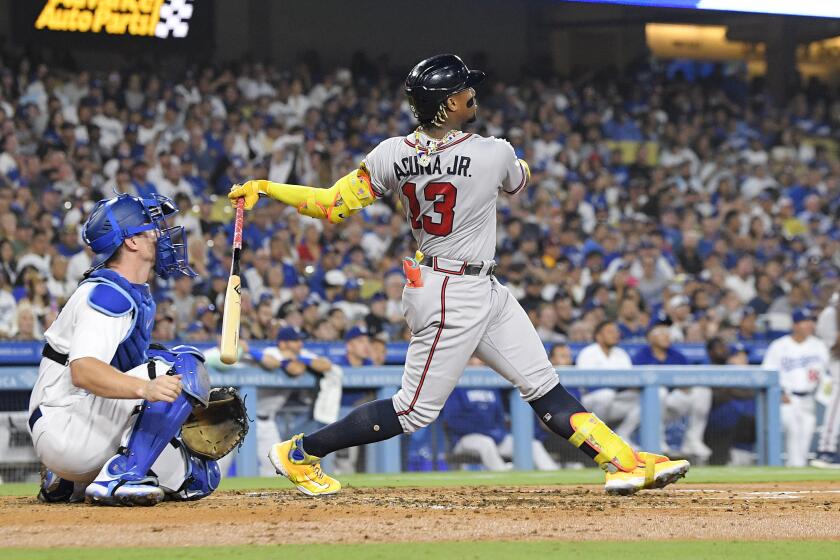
(56, 490)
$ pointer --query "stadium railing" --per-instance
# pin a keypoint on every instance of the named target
(20, 353)
(386, 381)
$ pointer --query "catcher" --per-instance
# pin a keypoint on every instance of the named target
(107, 410)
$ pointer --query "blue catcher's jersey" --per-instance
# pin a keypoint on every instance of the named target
(115, 296)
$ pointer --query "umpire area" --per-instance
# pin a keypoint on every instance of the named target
(760, 511)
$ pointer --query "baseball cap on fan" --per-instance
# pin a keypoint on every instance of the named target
(210, 308)
(289, 333)
(802, 314)
(737, 348)
(307, 303)
(659, 319)
(355, 332)
(378, 296)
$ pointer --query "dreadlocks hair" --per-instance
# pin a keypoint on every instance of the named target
(441, 115)
(438, 120)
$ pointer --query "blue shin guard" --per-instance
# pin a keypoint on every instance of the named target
(203, 477)
(125, 478)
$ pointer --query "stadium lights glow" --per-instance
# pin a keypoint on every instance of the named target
(819, 8)
(815, 8)
(709, 42)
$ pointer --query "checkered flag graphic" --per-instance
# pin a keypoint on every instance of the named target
(174, 19)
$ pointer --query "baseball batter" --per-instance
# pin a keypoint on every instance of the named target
(448, 182)
(102, 414)
(801, 360)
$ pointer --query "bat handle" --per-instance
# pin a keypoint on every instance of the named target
(237, 224)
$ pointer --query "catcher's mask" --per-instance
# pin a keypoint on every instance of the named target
(115, 219)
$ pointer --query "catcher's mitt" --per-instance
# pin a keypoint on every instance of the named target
(214, 431)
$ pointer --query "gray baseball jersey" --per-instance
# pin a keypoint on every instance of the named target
(450, 203)
(451, 206)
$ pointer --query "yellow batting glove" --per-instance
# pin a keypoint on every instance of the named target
(346, 197)
(250, 191)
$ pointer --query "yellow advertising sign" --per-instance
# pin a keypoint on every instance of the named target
(697, 42)
(139, 18)
(709, 42)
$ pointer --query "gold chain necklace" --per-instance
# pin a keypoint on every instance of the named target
(424, 153)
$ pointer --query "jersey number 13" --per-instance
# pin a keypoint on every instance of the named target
(443, 195)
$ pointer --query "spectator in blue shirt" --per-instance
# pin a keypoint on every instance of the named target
(766, 293)
(694, 402)
(141, 184)
(69, 242)
(731, 426)
(357, 345)
(629, 322)
(748, 330)
(659, 352)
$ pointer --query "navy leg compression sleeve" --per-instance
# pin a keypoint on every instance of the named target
(555, 408)
(372, 422)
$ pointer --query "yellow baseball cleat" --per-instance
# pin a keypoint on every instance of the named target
(302, 469)
(652, 471)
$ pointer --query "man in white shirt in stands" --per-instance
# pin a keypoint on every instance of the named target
(617, 407)
(742, 280)
(38, 254)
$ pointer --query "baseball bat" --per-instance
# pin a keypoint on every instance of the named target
(233, 295)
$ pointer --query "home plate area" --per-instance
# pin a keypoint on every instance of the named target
(760, 511)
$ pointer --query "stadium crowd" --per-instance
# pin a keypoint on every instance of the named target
(655, 199)
(696, 199)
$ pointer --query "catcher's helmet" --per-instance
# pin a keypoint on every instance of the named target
(435, 79)
(115, 219)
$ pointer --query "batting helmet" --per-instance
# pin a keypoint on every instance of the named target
(435, 79)
(115, 219)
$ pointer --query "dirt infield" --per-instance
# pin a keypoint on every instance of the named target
(685, 511)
